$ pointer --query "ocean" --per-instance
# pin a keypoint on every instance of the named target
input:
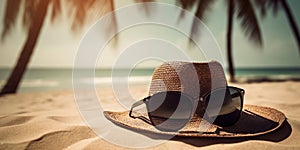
(61, 79)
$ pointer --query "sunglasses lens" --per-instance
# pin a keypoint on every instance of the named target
(224, 107)
(169, 111)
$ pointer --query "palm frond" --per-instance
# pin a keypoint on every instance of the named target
(56, 9)
(185, 5)
(275, 5)
(146, 7)
(78, 10)
(262, 6)
(88, 10)
(202, 8)
(114, 22)
(11, 15)
(29, 10)
(249, 22)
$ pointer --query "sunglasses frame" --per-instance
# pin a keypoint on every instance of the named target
(240, 92)
(146, 101)
(202, 99)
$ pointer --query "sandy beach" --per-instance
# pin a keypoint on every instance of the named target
(51, 120)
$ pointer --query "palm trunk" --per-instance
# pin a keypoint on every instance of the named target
(229, 41)
(15, 77)
(292, 22)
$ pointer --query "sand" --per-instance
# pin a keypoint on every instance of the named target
(51, 120)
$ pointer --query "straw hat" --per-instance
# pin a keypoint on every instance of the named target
(197, 79)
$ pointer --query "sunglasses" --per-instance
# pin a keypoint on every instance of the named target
(172, 110)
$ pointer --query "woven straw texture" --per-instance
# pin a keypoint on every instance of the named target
(193, 79)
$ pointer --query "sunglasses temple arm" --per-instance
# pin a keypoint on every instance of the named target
(241, 91)
(136, 104)
(237, 94)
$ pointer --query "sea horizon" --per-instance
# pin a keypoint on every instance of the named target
(55, 79)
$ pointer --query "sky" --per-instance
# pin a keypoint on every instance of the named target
(57, 45)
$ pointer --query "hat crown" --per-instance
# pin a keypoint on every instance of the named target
(194, 79)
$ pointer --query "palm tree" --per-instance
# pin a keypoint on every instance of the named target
(243, 9)
(34, 15)
(33, 19)
(276, 5)
(249, 23)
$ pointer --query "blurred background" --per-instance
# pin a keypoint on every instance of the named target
(39, 39)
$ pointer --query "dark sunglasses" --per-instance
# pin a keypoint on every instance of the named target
(172, 110)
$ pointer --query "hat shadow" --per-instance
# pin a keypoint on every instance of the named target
(276, 136)
(248, 124)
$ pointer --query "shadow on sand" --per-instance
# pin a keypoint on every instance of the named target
(278, 135)
(282, 133)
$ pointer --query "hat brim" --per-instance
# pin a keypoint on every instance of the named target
(254, 121)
